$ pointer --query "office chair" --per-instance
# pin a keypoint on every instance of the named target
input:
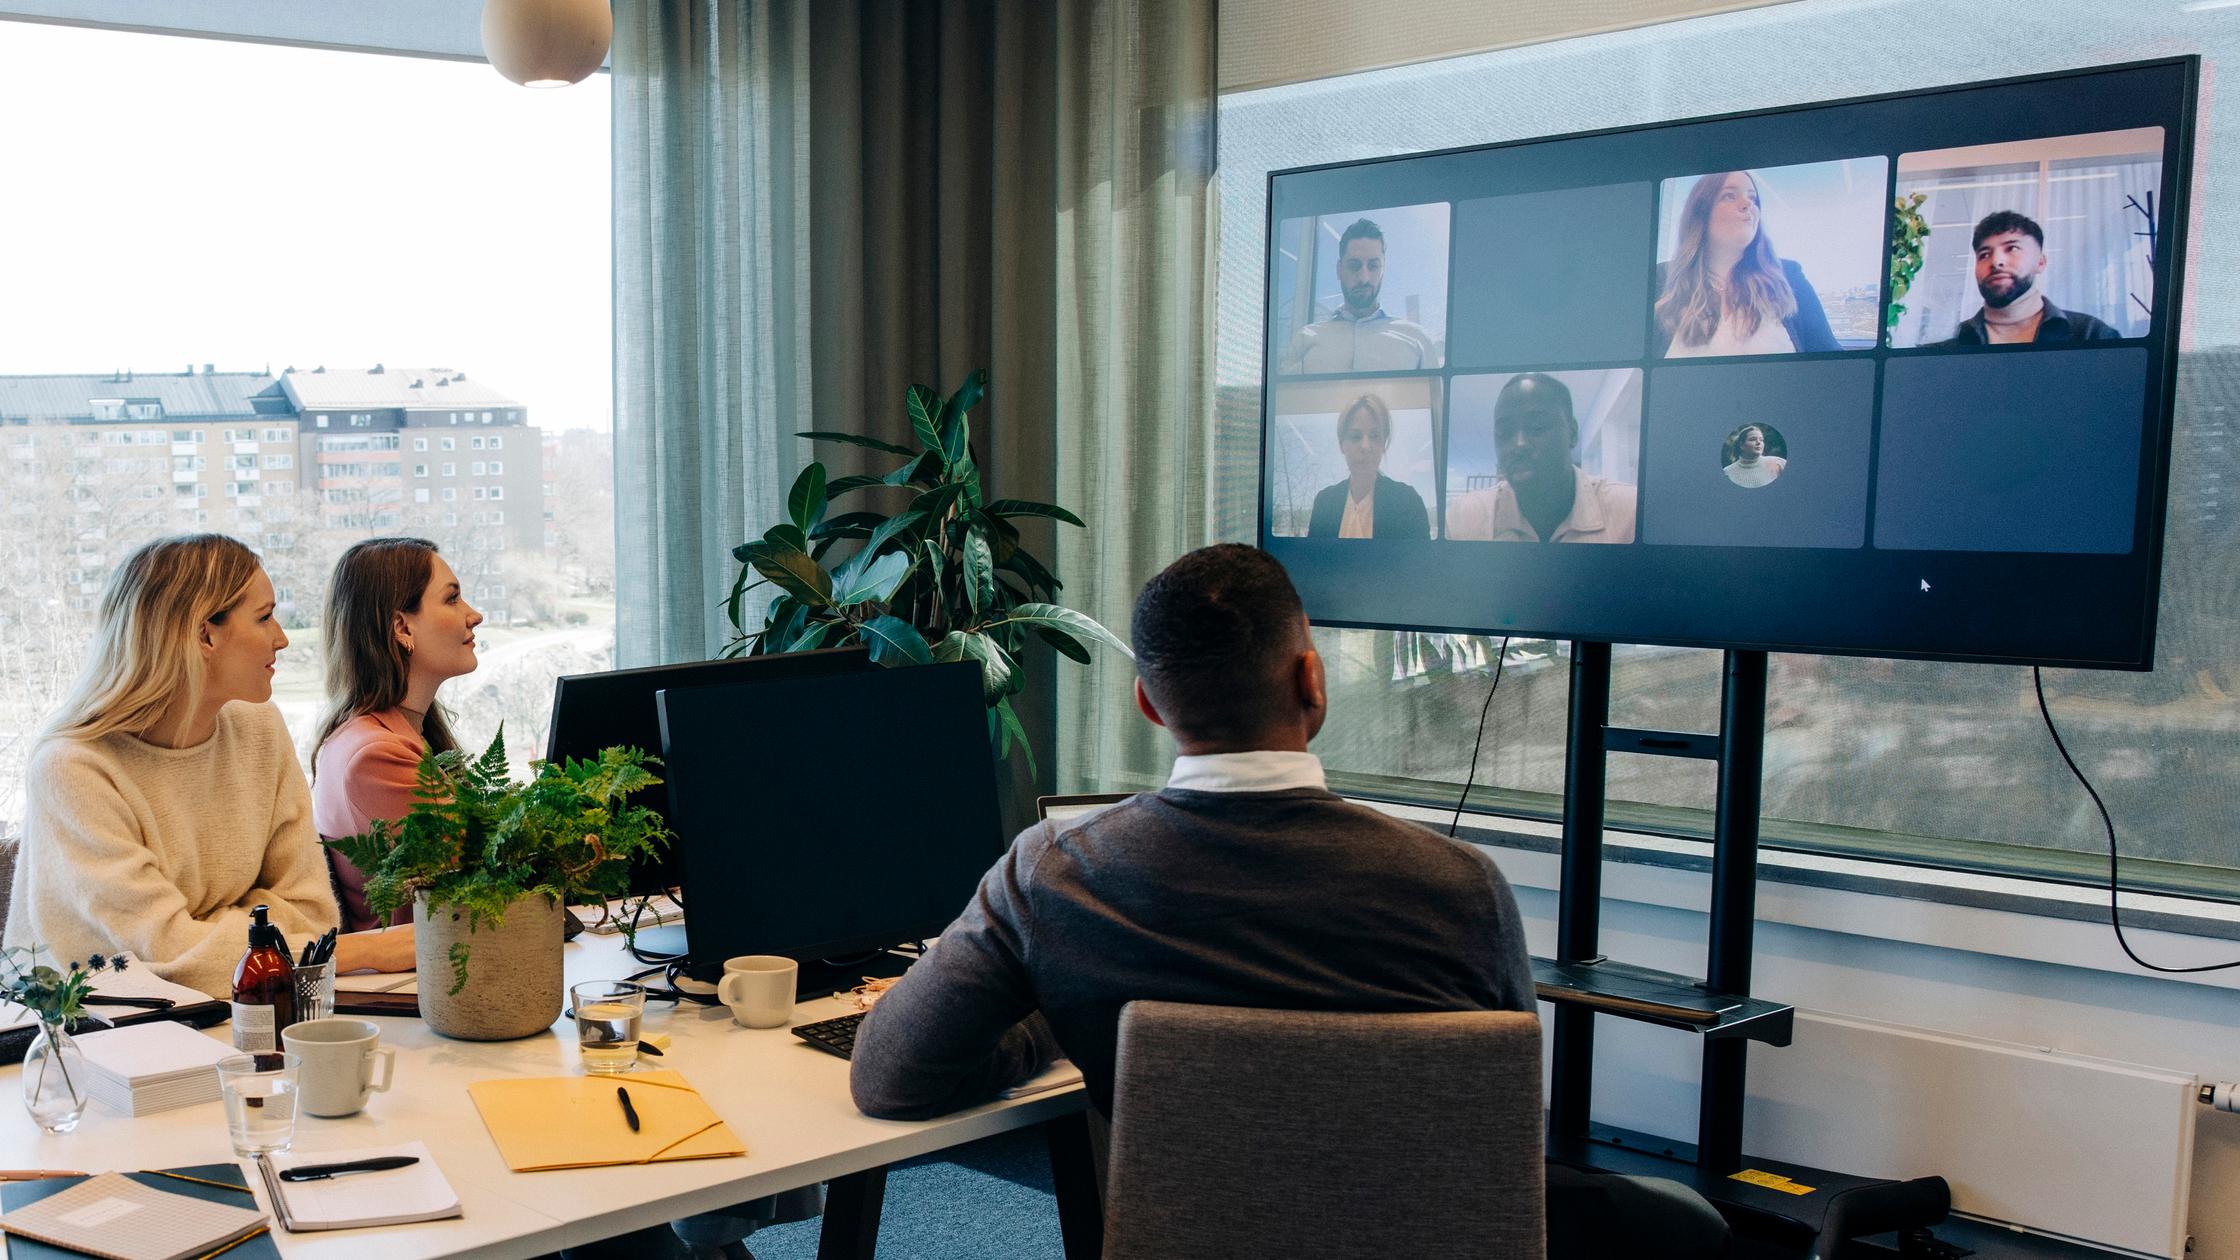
(1243, 1133)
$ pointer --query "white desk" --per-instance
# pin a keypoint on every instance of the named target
(787, 1102)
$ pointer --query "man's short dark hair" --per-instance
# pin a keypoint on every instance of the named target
(1540, 382)
(2001, 222)
(1215, 633)
(1360, 230)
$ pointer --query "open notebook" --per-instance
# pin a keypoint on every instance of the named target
(189, 1006)
(117, 1217)
(396, 1196)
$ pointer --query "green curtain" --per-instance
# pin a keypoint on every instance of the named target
(818, 204)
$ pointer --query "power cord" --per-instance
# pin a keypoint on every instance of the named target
(2115, 912)
(1500, 659)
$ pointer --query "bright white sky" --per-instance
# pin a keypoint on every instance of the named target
(166, 201)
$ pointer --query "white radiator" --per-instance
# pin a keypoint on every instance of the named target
(2080, 1148)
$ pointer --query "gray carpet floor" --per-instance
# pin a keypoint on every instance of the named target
(990, 1200)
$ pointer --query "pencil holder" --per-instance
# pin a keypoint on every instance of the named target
(314, 991)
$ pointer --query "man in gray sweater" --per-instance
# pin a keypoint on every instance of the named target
(1244, 882)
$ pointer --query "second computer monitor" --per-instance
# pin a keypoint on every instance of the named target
(831, 816)
(595, 711)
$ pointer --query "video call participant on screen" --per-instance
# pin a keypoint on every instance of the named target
(2010, 258)
(1541, 496)
(1367, 504)
(1752, 467)
(1725, 290)
(1359, 336)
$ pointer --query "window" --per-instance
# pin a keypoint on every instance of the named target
(476, 443)
(481, 492)
(497, 468)
(497, 492)
(543, 185)
(451, 444)
(450, 470)
(486, 417)
(498, 441)
(499, 518)
(475, 469)
(1944, 764)
(451, 494)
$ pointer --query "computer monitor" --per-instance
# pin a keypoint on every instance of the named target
(830, 816)
(595, 711)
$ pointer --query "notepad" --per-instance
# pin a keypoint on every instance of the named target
(115, 1217)
(1060, 1074)
(136, 980)
(395, 1196)
(152, 1067)
(542, 1123)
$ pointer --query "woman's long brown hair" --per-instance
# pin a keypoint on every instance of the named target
(1691, 306)
(368, 671)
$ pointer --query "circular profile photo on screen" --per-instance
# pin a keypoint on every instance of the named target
(1353, 459)
(1361, 291)
(1781, 260)
(1754, 455)
(2046, 242)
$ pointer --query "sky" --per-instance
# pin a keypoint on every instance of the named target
(168, 201)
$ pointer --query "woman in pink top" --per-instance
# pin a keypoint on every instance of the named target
(397, 628)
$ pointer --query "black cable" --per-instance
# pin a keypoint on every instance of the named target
(2115, 912)
(1500, 658)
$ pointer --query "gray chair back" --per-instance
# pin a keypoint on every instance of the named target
(1243, 1133)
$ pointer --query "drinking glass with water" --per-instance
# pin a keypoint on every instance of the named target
(607, 1016)
(260, 1098)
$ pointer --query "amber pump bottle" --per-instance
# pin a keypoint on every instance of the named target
(264, 989)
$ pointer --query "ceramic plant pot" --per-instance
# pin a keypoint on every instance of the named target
(514, 986)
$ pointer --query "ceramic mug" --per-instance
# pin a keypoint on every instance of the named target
(338, 1057)
(759, 989)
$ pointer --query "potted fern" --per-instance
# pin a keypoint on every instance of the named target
(942, 578)
(489, 865)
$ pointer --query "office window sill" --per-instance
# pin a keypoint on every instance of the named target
(1987, 914)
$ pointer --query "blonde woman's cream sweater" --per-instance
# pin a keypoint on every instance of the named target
(162, 851)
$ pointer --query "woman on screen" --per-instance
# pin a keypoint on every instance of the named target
(397, 628)
(164, 800)
(1725, 290)
(1751, 467)
(1367, 504)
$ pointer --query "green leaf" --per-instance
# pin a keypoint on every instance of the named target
(925, 415)
(848, 525)
(954, 426)
(783, 624)
(806, 503)
(1078, 626)
(875, 581)
(793, 572)
(1037, 577)
(1028, 507)
(891, 527)
(969, 394)
(979, 571)
(936, 501)
(853, 483)
(856, 439)
(894, 641)
(924, 470)
(1066, 647)
(1013, 730)
(787, 536)
(997, 669)
(813, 637)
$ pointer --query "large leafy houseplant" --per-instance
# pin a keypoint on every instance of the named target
(942, 578)
(480, 844)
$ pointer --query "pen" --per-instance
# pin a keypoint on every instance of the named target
(647, 1047)
(629, 1112)
(37, 1174)
(322, 1172)
(144, 1003)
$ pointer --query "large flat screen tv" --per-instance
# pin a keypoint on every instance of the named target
(1888, 376)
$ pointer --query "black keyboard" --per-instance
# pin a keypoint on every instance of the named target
(833, 1036)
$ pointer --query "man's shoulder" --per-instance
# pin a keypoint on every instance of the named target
(2083, 327)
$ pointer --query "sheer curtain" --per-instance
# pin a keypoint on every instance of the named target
(818, 204)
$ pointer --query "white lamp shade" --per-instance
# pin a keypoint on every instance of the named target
(546, 43)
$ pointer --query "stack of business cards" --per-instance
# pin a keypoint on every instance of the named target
(152, 1067)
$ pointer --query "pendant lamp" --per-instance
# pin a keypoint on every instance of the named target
(546, 43)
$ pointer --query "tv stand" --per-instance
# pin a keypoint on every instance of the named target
(1581, 983)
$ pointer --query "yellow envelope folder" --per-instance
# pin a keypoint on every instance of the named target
(577, 1122)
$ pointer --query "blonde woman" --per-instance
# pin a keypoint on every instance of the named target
(397, 628)
(164, 798)
(1367, 504)
(1726, 291)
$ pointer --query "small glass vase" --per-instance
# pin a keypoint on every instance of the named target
(55, 1078)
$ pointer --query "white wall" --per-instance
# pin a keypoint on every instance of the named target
(1266, 42)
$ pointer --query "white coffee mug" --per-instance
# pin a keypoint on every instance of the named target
(759, 989)
(338, 1057)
